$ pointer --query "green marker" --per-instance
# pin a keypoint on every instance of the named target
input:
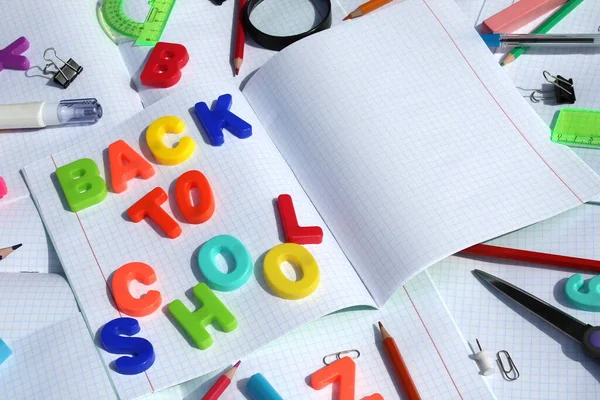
(545, 27)
(577, 127)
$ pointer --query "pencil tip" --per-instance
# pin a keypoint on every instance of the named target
(16, 246)
(349, 16)
(237, 364)
(237, 71)
(380, 325)
(502, 64)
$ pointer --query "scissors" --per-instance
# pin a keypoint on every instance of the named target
(586, 335)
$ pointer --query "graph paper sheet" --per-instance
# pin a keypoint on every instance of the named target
(552, 365)
(31, 302)
(72, 29)
(579, 65)
(56, 362)
(21, 223)
(246, 177)
(456, 159)
(436, 355)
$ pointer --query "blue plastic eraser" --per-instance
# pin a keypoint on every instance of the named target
(259, 388)
(491, 39)
(5, 351)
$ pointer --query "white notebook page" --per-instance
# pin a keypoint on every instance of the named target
(552, 365)
(406, 179)
(246, 177)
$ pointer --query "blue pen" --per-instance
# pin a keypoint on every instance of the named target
(515, 40)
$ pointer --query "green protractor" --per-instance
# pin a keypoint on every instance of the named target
(145, 33)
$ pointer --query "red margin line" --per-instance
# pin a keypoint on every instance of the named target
(498, 104)
(99, 268)
(432, 341)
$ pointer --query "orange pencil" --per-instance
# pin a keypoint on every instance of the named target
(6, 251)
(400, 368)
(366, 8)
(240, 39)
(221, 384)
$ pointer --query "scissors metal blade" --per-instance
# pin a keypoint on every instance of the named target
(555, 317)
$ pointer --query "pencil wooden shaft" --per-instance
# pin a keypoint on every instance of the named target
(240, 39)
(533, 257)
(402, 373)
(367, 8)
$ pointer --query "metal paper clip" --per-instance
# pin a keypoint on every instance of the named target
(510, 374)
(564, 92)
(339, 355)
(63, 75)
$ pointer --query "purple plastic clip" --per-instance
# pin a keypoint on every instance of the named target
(11, 58)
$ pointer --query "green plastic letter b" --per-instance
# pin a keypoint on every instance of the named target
(82, 184)
(211, 311)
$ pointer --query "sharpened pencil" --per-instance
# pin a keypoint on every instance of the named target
(240, 39)
(221, 384)
(7, 250)
(366, 8)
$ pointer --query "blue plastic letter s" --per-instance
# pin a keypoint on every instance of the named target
(214, 121)
(140, 349)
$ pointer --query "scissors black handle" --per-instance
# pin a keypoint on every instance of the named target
(591, 342)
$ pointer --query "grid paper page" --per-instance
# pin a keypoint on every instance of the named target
(57, 362)
(30, 302)
(246, 176)
(580, 64)
(73, 30)
(405, 180)
(207, 30)
(552, 365)
(435, 354)
(21, 223)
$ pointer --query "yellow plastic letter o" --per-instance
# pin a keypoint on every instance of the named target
(279, 283)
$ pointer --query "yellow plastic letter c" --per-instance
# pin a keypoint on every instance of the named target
(167, 155)
(279, 283)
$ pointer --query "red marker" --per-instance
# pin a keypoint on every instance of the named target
(221, 384)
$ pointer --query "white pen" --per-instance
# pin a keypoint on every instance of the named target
(41, 114)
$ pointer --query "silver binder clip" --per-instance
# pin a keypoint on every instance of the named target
(65, 74)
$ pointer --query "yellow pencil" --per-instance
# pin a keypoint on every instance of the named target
(366, 8)
(6, 251)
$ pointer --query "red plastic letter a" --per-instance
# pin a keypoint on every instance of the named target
(164, 65)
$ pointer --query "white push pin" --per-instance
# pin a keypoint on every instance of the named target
(485, 360)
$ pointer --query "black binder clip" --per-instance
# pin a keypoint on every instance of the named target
(63, 75)
(564, 92)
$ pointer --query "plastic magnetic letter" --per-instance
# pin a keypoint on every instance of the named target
(149, 206)
(126, 164)
(128, 304)
(140, 349)
(212, 311)
(295, 233)
(164, 65)
(206, 206)
(590, 300)
(82, 184)
(341, 371)
(259, 388)
(279, 283)
(214, 121)
(11, 56)
(208, 264)
(169, 155)
(374, 396)
(3, 188)
(5, 351)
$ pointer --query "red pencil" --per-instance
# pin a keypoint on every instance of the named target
(221, 384)
(240, 39)
(533, 257)
(400, 368)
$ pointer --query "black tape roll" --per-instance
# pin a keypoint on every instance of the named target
(279, 42)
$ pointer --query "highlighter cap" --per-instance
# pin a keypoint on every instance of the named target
(491, 39)
(79, 111)
(260, 389)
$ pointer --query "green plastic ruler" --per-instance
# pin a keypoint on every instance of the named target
(577, 127)
(145, 33)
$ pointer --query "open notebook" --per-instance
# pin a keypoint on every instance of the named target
(398, 182)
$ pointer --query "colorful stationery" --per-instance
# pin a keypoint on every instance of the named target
(577, 127)
(519, 14)
(545, 27)
(240, 39)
